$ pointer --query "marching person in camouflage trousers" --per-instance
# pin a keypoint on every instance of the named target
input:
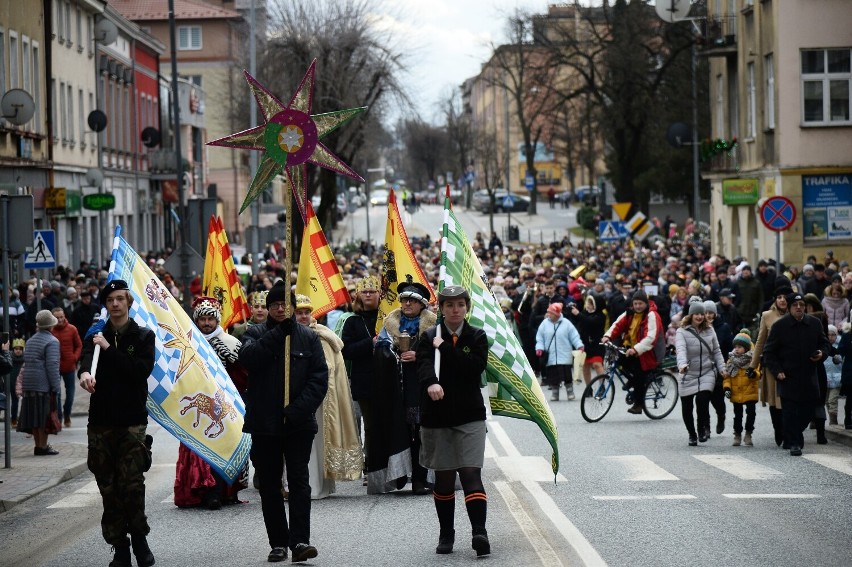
(119, 452)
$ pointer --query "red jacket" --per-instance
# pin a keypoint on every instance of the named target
(70, 347)
(649, 328)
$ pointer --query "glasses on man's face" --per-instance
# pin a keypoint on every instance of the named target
(408, 300)
(277, 305)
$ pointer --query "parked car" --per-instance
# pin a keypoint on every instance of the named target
(587, 193)
(482, 201)
(379, 197)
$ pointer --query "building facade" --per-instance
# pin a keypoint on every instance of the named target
(780, 81)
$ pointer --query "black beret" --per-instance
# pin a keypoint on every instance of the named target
(114, 285)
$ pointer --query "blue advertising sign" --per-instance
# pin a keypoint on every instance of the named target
(827, 206)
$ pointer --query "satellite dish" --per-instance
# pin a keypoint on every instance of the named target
(151, 137)
(106, 32)
(97, 120)
(672, 10)
(94, 177)
(679, 134)
(17, 106)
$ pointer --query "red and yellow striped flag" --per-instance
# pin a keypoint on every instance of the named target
(220, 276)
(319, 276)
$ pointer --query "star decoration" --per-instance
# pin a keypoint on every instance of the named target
(182, 342)
(290, 138)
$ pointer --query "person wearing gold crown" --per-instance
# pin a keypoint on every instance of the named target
(196, 483)
(336, 452)
(259, 313)
(394, 443)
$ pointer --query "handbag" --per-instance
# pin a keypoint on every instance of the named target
(544, 354)
(53, 425)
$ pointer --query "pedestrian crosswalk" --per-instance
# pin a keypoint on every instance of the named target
(740, 467)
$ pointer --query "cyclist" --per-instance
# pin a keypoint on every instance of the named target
(638, 329)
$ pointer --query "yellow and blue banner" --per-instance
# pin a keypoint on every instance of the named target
(189, 392)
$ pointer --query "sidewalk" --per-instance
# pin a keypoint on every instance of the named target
(31, 475)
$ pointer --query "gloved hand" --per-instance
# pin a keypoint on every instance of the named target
(539, 352)
(287, 326)
(750, 372)
(728, 393)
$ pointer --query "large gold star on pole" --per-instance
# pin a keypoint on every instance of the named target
(290, 138)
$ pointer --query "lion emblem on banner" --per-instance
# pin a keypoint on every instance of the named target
(216, 408)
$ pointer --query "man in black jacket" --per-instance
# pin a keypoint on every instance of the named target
(118, 418)
(796, 345)
(281, 418)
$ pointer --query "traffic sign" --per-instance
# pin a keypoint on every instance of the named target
(778, 213)
(529, 182)
(621, 209)
(508, 202)
(44, 251)
(639, 226)
(609, 231)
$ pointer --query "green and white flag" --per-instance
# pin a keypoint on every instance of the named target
(514, 390)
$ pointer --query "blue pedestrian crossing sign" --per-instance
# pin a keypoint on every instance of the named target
(609, 231)
(43, 255)
(508, 202)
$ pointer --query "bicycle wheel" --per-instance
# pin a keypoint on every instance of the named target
(661, 397)
(597, 398)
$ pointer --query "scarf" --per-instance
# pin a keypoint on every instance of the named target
(738, 361)
(409, 325)
(222, 351)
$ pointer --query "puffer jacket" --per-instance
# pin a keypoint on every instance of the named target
(650, 327)
(837, 310)
(70, 347)
(565, 341)
(743, 389)
(41, 356)
(702, 364)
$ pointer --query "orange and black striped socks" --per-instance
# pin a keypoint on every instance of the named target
(445, 506)
(477, 507)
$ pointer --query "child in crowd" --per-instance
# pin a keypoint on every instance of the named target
(833, 371)
(740, 389)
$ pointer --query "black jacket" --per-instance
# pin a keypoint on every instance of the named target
(787, 350)
(121, 378)
(462, 366)
(83, 317)
(357, 336)
(262, 354)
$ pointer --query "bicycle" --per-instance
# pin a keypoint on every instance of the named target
(660, 398)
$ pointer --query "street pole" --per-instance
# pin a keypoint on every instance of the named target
(507, 154)
(184, 253)
(695, 194)
(7, 282)
(254, 243)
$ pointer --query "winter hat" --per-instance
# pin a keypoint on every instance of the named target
(832, 329)
(694, 299)
(807, 267)
(555, 308)
(743, 338)
(279, 292)
(784, 290)
(812, 300)
(207, 307)
(640, 295)
(710, 307)
(696, 308)
(45, 319)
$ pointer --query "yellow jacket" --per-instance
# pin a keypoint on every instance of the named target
(743, 389)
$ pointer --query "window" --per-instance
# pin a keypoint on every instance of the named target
(733, 106)
(70, 100)
(90, 40)
(13, 60)
(81, 113)
(60, 25)
(79, 30)
(63, 119)
(36, 92)
(769, 73)
(2, 64)
(68, 42)
(189, 38)
(25, 62)
(751, 111)
(826, 76)
(53, 124)
(720, 106)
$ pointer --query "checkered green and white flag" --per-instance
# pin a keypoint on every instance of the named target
(514, 390)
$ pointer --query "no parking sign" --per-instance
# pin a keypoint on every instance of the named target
(778, 213)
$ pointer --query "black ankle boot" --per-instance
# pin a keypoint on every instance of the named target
(121, 557)
(480, 542)
(446, 541)
(820, 431)
(144, 557)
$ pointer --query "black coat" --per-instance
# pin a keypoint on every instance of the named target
(787, 350)
(617, 305)
(262, 354)
(121, 389)
(462, 366)
(591, 327)
(357, 336)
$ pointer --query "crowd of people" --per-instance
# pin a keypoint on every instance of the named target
(365, 401)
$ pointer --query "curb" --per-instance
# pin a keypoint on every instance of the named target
(839, 434)
(61, 476)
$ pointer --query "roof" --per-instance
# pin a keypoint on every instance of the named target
(139, 10)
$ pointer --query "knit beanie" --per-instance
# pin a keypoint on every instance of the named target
(555, 308)
(710, 307)
(743, 338)
(640, 295)
(696, 308)
(276, 294)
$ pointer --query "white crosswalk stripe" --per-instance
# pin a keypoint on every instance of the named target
(740, 467)
(85, 496)
(641, 468)
(836, 462)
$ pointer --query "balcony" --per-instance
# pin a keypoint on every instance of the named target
(720, 36)
(723, 161)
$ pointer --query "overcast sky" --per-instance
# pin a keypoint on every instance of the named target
(446, 40)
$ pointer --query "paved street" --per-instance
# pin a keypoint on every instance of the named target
(630, 492)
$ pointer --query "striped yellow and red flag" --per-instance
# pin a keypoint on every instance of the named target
(220, 276)
(319, 276)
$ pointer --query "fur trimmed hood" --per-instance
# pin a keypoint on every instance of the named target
(391, 323)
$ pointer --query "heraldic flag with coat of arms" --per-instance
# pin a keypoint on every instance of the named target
(189, 392)
(514, 390)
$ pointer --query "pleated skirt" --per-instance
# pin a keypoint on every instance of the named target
(34, 409)
(451, 448)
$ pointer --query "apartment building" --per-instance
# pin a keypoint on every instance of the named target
(780, 81)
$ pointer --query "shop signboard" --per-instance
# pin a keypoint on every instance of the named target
(827, 206)
(740, 191)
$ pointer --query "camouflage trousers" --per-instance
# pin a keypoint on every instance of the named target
(119, 457)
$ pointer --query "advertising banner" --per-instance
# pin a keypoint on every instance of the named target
(827, 206)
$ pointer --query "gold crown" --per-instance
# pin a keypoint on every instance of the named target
(369, 282)
(303, 302)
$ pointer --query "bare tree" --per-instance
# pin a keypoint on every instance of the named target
(459, 133)
(425, 145)
(492, 163)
